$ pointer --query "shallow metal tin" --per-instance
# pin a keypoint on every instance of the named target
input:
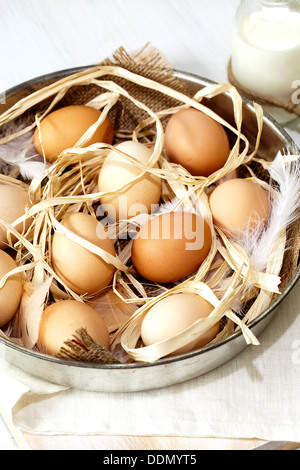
(166, 372)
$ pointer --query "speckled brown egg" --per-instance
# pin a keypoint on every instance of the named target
(14, 201)
(171, 246)
(81, 270)
(238, 205)
(11, 292)
(63, 128)
(172, 315)
(60, 321)
(196, 142)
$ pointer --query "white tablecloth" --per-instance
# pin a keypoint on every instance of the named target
(255, 394)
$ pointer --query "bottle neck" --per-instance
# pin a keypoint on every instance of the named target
(271, 7)
(279, 3)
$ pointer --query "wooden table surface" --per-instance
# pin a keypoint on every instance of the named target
(37, 37)
(150, 443)
(153, 443)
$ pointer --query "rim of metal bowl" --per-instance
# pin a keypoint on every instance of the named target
(296, 277)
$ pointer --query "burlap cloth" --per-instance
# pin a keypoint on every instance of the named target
(147, 62)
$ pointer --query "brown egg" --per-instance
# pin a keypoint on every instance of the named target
(82, 271)
(62, 129)
(60, 321)
(14, 201)
(11, 292)
(171, 246)
(172, 315)
(239, 204)
(197, 142)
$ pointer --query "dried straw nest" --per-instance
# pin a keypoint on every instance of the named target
(139, 93)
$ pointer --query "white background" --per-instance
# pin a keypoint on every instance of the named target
(42, 36)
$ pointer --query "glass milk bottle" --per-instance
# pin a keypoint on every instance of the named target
(266, 51)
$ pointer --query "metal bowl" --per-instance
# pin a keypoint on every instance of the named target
(165, 372)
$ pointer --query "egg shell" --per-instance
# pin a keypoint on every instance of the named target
(82, 271)
(11, 292)
(14, 202)
(60, 321)
(238, 205)
(171, 246)
(197, 142)
(62, 129)
(172, 315)
(142, 196)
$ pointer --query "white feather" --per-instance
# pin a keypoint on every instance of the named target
(188, 205)
(167, 207)
(20, 153)
(30, 312)
(31, 169)
(285, 204)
